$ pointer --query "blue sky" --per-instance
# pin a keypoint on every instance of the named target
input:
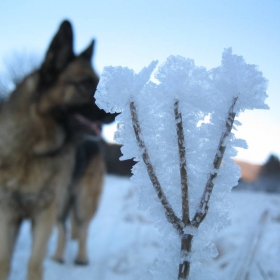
(132, 33)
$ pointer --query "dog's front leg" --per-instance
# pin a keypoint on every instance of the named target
(42, 224)
(8, 232)
(64, 210)
(82, 258)
(58, 255)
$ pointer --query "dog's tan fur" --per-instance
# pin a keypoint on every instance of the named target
(83, 199)
(38, 145)
(87, 196)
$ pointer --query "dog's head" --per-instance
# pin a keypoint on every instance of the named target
(66, 84)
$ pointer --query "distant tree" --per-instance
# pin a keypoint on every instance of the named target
(272, 166)
(185, 167)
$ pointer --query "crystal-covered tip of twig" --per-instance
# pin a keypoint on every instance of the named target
(118, 84)
(180, 78)
(236, 78)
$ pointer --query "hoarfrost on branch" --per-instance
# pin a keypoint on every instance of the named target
(180, 129)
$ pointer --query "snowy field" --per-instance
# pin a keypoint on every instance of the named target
(122, 243)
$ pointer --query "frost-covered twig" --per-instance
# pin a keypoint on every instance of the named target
(206, 90)
(204, 202)
(186, 240)
(183, 164)
(169, 212)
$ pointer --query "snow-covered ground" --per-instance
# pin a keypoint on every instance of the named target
(122, 243)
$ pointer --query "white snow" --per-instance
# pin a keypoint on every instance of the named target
(123, 243)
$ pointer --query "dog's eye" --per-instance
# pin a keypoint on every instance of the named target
(87, 85)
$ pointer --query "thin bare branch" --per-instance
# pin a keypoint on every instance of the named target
(186, 239)
(183, 164)
(204, 202)
(169, 213)
(186, 248)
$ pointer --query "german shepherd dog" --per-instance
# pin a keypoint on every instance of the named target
(46, 164)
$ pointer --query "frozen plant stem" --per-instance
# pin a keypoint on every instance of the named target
(183, 164)
(186, 248)
(169, 212)
(186, 240)
(178, 224)
(204, 202)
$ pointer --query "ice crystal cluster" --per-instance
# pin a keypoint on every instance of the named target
(204, 101)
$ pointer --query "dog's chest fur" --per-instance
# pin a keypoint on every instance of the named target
(29, 182)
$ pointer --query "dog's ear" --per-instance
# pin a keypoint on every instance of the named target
(59, 54)
(88, 52)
